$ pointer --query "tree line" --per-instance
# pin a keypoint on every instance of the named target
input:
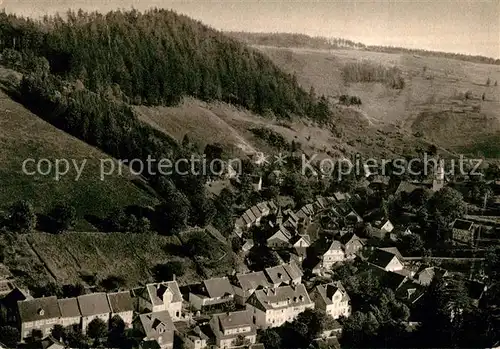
(156, 58)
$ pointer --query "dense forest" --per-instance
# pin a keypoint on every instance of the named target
(155, 58)
(83, 73)
(322, 43)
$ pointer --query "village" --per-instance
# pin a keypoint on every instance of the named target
(303, 271)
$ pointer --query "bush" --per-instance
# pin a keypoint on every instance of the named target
(366, 71)
(271, 137)
(349, 100)
(166, 271)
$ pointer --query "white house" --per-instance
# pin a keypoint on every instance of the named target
(163, 296)
(274, 306)
(233, 329)
(386, 260)
(333, 299)
(194, 339)
(245, 285)
(156, 327)
(38, 314)
(333, 255)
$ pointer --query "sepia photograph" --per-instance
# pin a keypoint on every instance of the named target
(249, 174)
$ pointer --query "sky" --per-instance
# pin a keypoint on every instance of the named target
(462, 26)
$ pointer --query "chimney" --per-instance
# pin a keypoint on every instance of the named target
(173, 277)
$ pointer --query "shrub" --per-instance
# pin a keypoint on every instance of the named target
(366, 71)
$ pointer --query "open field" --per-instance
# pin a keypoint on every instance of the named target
(432, 102)
(24, 135)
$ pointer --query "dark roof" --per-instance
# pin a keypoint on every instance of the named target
(120, 302)
(93, 304)
(381, 258)
(475, 289)
(69, 307)
(462, 224)
(38, 309)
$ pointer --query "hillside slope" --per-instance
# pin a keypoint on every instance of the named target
(432, 104)
(24, 135)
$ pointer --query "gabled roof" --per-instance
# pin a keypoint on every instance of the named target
(256, 212)
(157, 325)
(252, 281)
(234, 319)
(281, 234)
(218, 287)
(93, 304)
(287, 296)
(304, 237)
(293, 270)
(334, 246)
(277, 274)
(262, 206)
(393, 250)
(38, 309)
(156, 292)
(69, 307)
(410, 292)
(381, 258)
(350, 237)
(327, 291)
(120, 302)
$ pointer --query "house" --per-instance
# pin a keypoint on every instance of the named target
(333, 255)
(294, 272)
(93, 306)
(248, 245)
(9, 306)
(163, 296)
(211, 292)
(301, 241)
(425, 275)
(194, 338)
(333, 299)
(352, 218)
(384, 225)
(274, 306)
(352, 244)
(385, 260)
(341, 197)
(246, 284)
(38, 314)
(233, 329)
(121, 304)
(156, 327)
(281, 238)
(410, 292)
(463, 231)
(70, 312)
(275, 177)
(277, 276)
(51, 343)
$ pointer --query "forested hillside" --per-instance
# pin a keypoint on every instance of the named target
(155, 58)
